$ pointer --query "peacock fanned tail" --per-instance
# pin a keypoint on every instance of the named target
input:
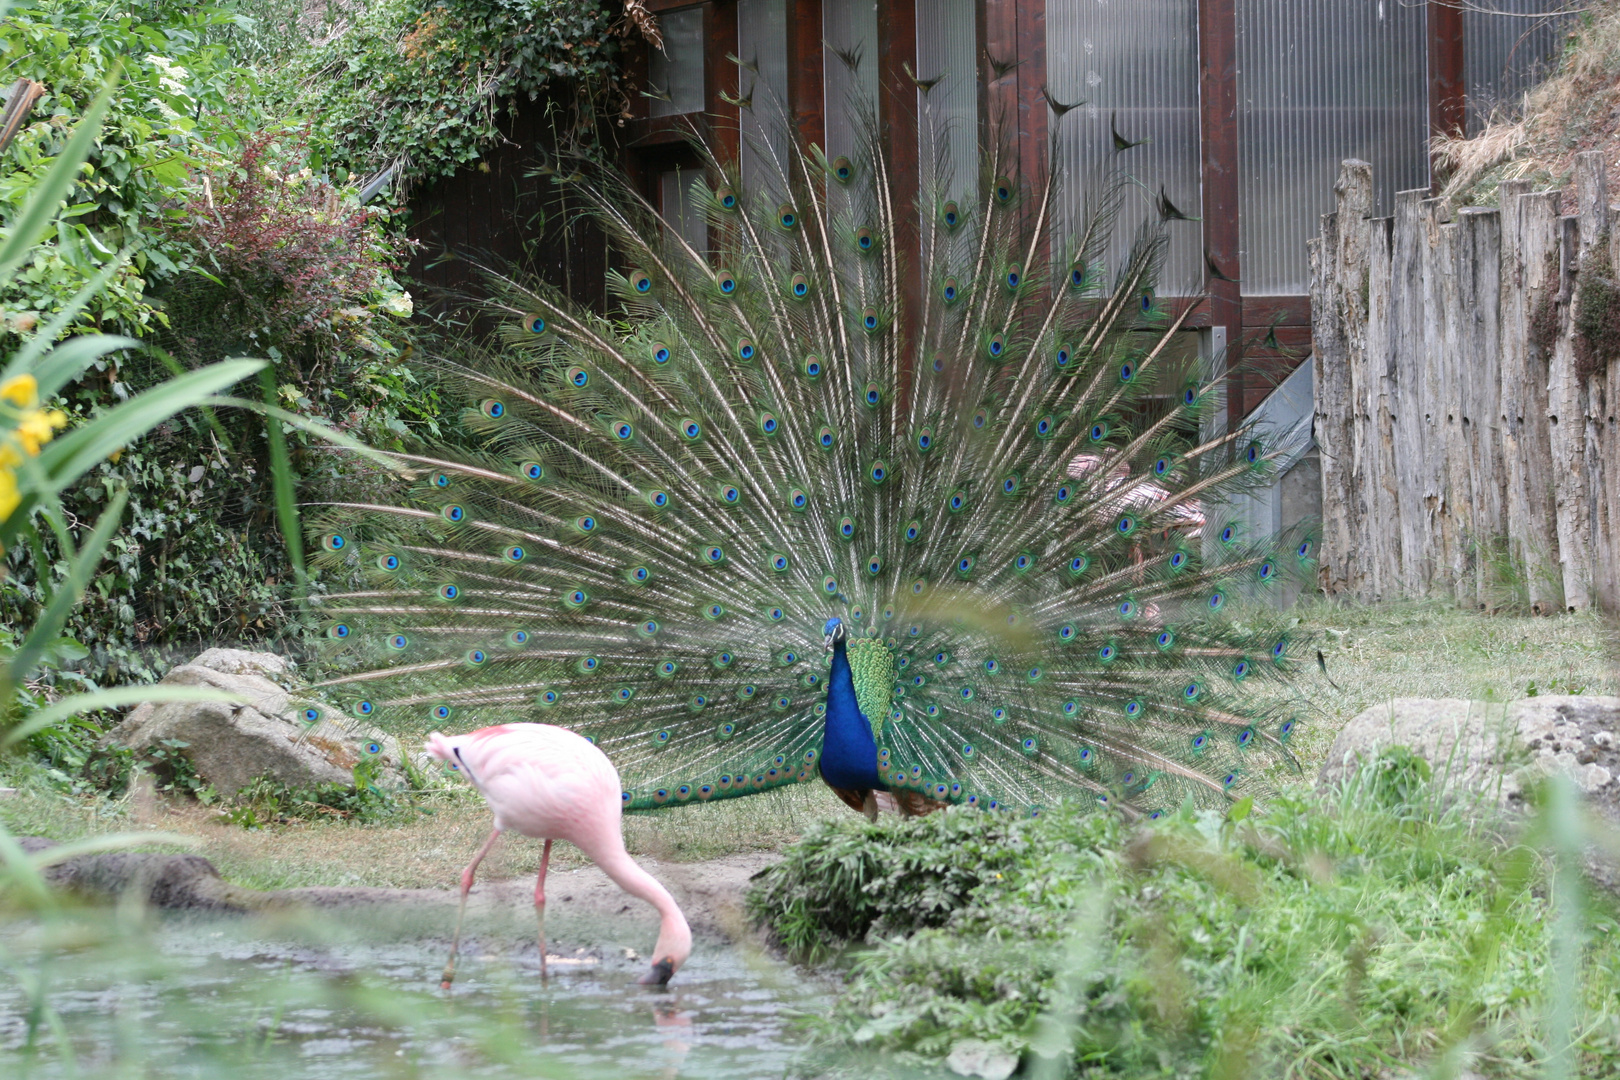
(1001, 491)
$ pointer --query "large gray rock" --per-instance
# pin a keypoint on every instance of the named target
(230, 745)
(1494, 749)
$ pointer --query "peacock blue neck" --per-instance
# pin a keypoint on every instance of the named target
(848, 751)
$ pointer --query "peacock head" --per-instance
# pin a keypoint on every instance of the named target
(834, 631)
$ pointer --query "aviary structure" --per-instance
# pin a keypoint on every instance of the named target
(765, 522)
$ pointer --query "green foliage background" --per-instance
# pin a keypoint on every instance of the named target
(344, 89)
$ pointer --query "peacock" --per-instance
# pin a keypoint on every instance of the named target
(923, 499)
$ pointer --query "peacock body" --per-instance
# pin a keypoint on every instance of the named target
(770, 521)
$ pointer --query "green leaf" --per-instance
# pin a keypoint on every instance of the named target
(49, 625)
(1240, 809)
(115, 698)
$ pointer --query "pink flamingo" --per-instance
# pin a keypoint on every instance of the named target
(545, 782)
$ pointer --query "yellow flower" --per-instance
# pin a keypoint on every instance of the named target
(38, 427)
(9, 496)
(21, 390)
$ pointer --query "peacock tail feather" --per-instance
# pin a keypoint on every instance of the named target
(1000, 490)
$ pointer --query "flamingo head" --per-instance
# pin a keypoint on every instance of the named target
(442, 747)
(669, 956)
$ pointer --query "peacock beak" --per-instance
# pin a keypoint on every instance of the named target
(659, 974)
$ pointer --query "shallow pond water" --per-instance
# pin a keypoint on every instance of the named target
(357, 996)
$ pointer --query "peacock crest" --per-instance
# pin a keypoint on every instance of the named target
(996, 471)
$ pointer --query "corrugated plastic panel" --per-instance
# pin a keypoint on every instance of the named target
(948, 115)
(1506, 51)
(1320, 81)
(1135, 65)
(762, 43)
(850, 25)
(678, 70)
(679, 211)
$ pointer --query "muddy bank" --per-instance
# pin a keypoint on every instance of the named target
(709, 892)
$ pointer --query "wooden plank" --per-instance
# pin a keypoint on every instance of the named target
(1596, 221)
(1217, 83)
(1379, 531)
(1339, 340)
(1450, 389)
(1603, 437)
(1566, 431)
(1409, 318)
(1433, 369)
(1479, 296)
(1534, 541)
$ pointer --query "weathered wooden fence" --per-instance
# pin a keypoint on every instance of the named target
(1467, 385)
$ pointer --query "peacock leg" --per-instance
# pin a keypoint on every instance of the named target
(869, 806)
(540, 905)
(466, 887)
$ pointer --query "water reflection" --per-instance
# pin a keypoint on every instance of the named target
(358, 998)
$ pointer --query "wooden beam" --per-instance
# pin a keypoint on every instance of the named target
(897, 113)
(806, 91)
(1448, 90)
(720, 77)
(1217, 79)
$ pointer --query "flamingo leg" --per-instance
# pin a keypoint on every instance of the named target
(466, 887)
(540, 904)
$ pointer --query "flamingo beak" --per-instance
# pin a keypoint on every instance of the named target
(659, 974)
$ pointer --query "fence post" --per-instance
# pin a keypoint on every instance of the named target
(1479, 266)
(1566, 429)
(1604, 425)
(1339, 338)
(1379, 524)
(1411, 355)
(1449, 387)
(1529, 328)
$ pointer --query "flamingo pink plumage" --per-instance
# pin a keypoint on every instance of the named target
(552, 784)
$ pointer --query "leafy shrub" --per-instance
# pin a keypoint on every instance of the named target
(1326, 939)
(268, 801)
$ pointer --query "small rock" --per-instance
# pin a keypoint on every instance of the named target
(975, 1057)
(1605, 739)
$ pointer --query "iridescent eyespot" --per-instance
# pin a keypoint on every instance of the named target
(775, 614)
(338, 630)
(449, 592)
(536, 324)
(1178, 560)
(492, 408)
(397, 641)
(799, 286)
(1266, 571)
(441, 712)
(1191, 691)
(981, 417)
(1228, 534)
(1009, 484)
(1013, 276)
(586, 524)
(912, 531)
(388, 562)
(729, 493)
(1066, 632)
(374, 748)
(1165, 639)
(640, 282)
(658, 499)
(779, 563)
(660, 353)
(745, 349)
(726, 280)
(878, 472)
(1098, 432)
(666, 668)
(1127, 609)
(939, 362)
(714, 555)
(1077, 277)
(453, 513)
(874, 566)
(964, 566)
(1078, 564)
(957, 501)
(638, 574)
(364, 708)
(577, 598)
(1279, 650)
(825, 437)
(846, 527)
(532, 470)
(1240, 670)
(1125, 525)
(547, 698)
(843, 169)
(1253, 453)
(798, 499)
(1189, 395)
(995, 346)
(622, 430)
(1127, 372)
(992, 666)
(950, 290)
(476, 657)
(1285, 730)
(518, 638)
(864, 240)
(726, 197)
(925, 440)
(1030, 746)
(812, 367)
(1107, 653)
(829, 585)
(869, 319)
(1070, 708)
(1004, 190)
(786, 216)
(648, 628)
(951, 215)
(1216, 600)
(873, 395)
(690, 428)
(1132, 708)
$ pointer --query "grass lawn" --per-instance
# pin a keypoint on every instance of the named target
(1372, 654)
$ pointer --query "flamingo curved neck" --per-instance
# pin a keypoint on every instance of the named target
(848, 751)
(674, 935)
